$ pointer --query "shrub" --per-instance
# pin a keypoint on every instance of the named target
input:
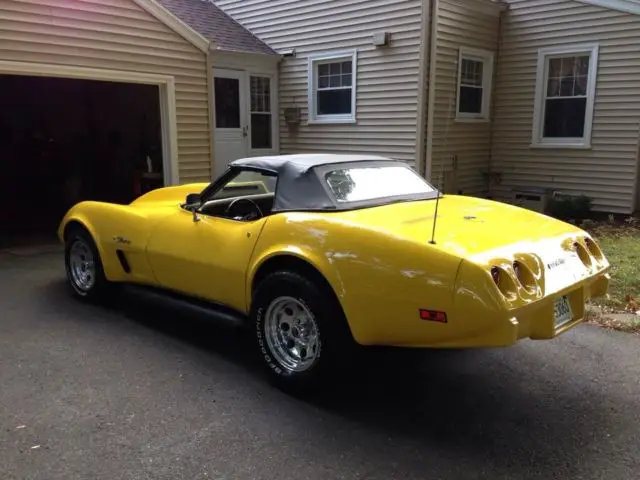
(568, 207)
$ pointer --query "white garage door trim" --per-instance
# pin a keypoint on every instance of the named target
(165, 83)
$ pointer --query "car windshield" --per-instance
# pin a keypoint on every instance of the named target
(247, 183)
(357, 184)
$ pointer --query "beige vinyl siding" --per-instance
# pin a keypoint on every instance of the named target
(607, 171)
(470, 141)
(387, 77)
(117, 35)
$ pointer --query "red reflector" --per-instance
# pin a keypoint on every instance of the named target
(433, 316)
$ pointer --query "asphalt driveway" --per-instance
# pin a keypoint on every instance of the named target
(135, 393)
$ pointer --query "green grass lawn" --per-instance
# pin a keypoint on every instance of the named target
(621, 245)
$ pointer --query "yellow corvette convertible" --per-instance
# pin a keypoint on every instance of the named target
(319, 254)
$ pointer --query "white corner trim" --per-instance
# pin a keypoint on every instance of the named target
(538, 110)
(422, 97)
(627, 6)
(314, 58)
(167, 99)
(210, 107)
(169, 132)
(481, 6)
(487, 57)
(174, 23)
(431, 88)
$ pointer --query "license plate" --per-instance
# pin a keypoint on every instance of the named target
(563, 313)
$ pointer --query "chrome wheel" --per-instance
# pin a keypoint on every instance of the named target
(82, 267)
(291, 333)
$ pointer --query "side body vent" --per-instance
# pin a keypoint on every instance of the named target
(123, 261)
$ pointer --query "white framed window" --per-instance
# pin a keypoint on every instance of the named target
(261, 112)
(565, 97)
(475, 76)
(332, 87)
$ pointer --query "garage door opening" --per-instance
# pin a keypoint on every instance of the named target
(67, 140)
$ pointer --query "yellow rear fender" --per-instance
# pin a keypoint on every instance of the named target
(380, 280)
(478, 307)
(286, 257)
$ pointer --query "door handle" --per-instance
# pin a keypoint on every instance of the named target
(245, 131)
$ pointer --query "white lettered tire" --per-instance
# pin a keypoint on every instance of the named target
(300, 331)
(83, 266)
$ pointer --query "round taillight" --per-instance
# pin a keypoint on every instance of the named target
(524, 276)
(518, 270)
(504, 282)
(593, 247)
(495, 274)
(583, 254)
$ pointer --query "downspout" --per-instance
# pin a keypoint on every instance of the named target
(635, 206)
(422, 88)
(278, 104)
(211, 103)
(431, 100)
(496, 65)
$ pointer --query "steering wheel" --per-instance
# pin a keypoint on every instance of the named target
(257, 213)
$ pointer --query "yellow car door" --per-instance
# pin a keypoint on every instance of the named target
(206, 257)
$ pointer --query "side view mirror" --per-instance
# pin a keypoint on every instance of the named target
(193, 199)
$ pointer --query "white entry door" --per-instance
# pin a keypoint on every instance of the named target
(245, 125)
(231, 130)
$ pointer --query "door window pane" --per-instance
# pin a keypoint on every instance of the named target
(261, 131)
(260, 94)
(227, 101)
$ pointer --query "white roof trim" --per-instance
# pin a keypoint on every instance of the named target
(174, 23)
(627, 6)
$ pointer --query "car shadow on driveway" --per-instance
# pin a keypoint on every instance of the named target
(512, 409)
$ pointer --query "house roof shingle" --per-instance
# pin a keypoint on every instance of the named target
(215, 25)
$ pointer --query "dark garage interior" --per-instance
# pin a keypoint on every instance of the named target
(66, 140)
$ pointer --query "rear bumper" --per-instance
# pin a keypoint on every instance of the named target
(539, 323)
(535, 321)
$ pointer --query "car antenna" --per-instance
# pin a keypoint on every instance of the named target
(446, 140)
(435, 214)
(435, 220)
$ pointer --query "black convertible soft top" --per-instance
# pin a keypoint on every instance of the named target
(301, 163)
(301, 184)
